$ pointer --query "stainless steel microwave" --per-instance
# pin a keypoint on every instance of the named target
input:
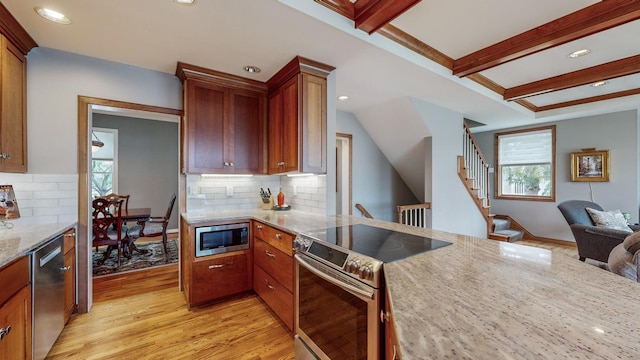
(220, 239)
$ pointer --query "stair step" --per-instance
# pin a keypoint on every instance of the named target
(501, 224)
(514, 235)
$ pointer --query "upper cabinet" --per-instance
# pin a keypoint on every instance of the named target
(224, 122)
(297, 125)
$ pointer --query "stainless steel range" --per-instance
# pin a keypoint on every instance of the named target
(339, 287)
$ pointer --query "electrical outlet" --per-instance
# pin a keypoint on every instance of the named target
(229, 190)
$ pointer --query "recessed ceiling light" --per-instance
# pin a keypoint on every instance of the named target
(599, 83)
(185, 2)
(343, 97)
(252, 69)
(579, 53)
(52, 15)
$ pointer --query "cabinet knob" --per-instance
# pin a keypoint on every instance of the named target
(384, 316)
(278, 236)
(66, 268)
(259, 227)
(231, 164)
(70, 235)
(4, 332)
(281, 163)
(226, 163)
(5, 156)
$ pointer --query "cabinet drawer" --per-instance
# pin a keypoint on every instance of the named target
(274, 262)
(13, 277)
(218, 277)
(69, 240)
(279, 299)
(277, 238)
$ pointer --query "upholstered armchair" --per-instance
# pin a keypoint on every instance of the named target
(594, 242)
(624, 259)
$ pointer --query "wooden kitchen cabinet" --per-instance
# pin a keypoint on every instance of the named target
(224, 122)
(297, 124)
(391, 341)
(13, 119)
(274, 270)
(70, 273)
(15, 311)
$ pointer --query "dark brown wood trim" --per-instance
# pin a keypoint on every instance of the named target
(12, 30)
(529, 236)
(381, 13)
(186, 71)
(527, 105)
(590, 20)
(589, 99)
(342, 7)
(488, 83)
(298, 65)
(610, 70)
(393, 33)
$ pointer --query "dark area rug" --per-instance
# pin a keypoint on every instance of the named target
(153, 257)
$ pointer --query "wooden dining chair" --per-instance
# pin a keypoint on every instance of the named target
(107, 227)
(155, 225)
(114, 197)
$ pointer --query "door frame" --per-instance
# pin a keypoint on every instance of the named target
(85, 110)
(349, 139)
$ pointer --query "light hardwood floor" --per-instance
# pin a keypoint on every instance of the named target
(143, 315)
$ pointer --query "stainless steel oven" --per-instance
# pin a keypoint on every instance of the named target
(337, 312)
(221, 238)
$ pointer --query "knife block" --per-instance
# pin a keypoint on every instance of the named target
(267, 206)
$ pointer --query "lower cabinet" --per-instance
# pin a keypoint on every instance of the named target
(274, 270)
(391, 341)
(219, 276)
(15, 311)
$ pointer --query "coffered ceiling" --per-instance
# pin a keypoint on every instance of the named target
(499, 62)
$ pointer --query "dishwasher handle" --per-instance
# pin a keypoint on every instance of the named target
(45, 259)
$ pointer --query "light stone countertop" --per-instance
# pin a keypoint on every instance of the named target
(484, 299)
(22, 239)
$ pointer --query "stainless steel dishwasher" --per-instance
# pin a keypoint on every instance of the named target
(48, 296)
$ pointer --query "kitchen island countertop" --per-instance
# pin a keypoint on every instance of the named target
(485, 299)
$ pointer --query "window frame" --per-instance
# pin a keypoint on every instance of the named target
(498, 168)
(114, 181)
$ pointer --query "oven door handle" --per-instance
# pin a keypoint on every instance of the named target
(356, 291)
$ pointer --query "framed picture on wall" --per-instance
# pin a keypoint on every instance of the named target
(590, 165)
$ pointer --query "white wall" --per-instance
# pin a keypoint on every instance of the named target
(616, 132)
(375, 183)
(54, 81)
(453, 209)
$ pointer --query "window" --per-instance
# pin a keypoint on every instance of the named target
(526, 164)
(104, 169)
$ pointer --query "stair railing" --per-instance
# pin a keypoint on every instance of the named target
(414, 215)
(477, 167)
(363, 211)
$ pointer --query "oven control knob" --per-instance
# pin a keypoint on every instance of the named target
(366, 272)
(353, 266)
(300, 244)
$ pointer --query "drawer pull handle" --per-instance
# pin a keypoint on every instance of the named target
(70, 235)
(278, 236)
(271, 287)
(4, 332)
(5, 156)
(271, 255)
(259, 227)
(216, 266)
(66, 268)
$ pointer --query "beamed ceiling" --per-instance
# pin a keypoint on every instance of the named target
(502, 63)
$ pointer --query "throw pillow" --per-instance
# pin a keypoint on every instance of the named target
(632, 242)
(609, 219)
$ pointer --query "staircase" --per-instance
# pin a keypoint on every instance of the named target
(473, 170)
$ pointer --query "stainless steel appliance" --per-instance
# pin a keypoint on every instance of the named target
(48, 296)
(221, 238)
(340, 288)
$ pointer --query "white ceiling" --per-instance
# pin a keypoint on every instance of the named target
(226, 35)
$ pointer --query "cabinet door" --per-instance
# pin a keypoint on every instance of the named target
(219, 276)
(274, 262)
(279, 299)
(391, 342)
(274, 131)
(205, 122)
(13, 122)
(69, 284)
(314, 124)
(290, 132)
(245, 140)
(15, 315)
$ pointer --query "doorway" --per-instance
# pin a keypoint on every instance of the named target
(344, 153)
(87, 106)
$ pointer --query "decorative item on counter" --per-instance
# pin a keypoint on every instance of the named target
(281, 206)
(8, 206)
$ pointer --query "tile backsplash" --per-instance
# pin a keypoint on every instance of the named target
(44, 198)
(236, 193)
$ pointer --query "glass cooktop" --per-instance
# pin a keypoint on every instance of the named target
(382, 244)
